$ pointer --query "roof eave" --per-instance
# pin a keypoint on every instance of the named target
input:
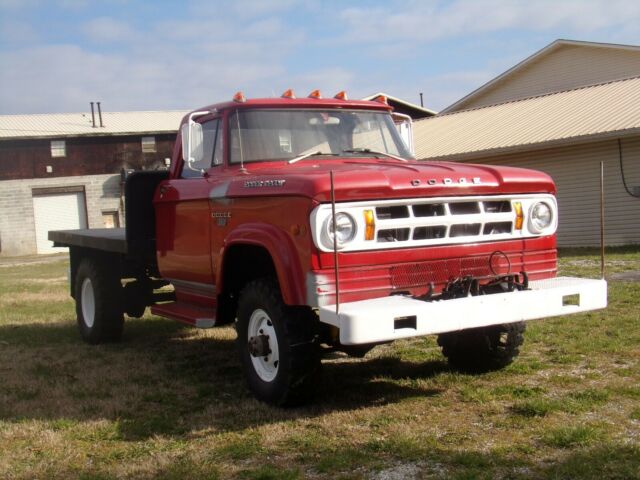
(88, 134)
(403, 102)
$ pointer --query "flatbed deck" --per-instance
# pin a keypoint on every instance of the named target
(105, 239)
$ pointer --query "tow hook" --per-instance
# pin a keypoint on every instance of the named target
(259, 346)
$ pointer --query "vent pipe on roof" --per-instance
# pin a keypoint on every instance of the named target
(421, 102)
(100, 114)
(93, 116)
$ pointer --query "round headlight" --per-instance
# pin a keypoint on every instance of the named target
(540, 217)
(345, 229)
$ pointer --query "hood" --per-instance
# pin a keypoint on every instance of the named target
(358, 179)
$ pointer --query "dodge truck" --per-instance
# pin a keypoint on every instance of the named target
(308, 224)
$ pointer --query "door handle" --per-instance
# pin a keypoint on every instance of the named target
(164, 189)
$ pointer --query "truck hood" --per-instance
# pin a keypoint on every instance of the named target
(373, 179)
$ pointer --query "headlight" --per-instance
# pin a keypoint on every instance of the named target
(345, 229)
(540, 217)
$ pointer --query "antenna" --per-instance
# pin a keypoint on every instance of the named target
(336, 269)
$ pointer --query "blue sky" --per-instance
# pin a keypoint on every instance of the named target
(58, 55)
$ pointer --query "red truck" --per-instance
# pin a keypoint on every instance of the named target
(308, 223)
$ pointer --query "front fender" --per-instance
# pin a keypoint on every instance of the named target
(283, 253)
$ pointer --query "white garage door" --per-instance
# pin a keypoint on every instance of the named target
(59, 211)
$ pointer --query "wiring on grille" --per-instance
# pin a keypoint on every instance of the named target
(624, 181)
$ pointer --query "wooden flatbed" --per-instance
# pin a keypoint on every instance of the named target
(104, 239)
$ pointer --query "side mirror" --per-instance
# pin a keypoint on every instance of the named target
(193, 141)
(404, 125)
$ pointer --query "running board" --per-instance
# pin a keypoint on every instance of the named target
(194, 315)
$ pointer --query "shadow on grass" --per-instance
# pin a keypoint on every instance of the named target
(164, 379)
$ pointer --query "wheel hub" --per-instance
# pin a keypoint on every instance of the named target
(262, 345)
(259, 346)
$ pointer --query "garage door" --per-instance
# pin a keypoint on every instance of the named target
(58, 211)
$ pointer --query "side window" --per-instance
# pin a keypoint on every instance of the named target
(210, 135)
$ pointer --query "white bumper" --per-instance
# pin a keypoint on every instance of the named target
(391, 318)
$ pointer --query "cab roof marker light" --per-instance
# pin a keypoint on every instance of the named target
(517, 206)
(239, 97)
(289, 94)
(315, 94)
(341, 95)
(381, 99)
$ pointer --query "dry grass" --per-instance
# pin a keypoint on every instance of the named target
(169, 402)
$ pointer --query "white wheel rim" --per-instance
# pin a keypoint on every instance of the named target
(88, 303)
(266, 367)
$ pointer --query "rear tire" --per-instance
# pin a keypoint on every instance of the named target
(288, 374)
(483, 349)
(98, 295)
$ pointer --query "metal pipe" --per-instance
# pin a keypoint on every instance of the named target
(336, 269)
(602, 220)
(100, 114)
(93, 116)
(421, 101)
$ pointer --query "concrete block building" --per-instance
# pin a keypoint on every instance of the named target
(63, 171)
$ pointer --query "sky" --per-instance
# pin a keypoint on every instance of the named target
(58, 55)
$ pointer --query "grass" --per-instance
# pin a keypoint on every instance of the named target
(169, 402)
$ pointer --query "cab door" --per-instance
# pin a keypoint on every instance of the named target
(184, 224)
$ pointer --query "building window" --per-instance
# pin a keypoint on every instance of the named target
(111, 219)
(58, 148)
(149, 144)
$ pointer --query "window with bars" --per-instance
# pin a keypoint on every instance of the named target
(149, 144)
(58, 148)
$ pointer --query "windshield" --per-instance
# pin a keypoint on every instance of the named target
(259, 135)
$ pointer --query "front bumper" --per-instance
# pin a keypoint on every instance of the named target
(395, 317)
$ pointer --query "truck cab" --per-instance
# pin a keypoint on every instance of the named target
(308, 224)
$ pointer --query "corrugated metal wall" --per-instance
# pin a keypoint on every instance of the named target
(576, 171)
(567, 67)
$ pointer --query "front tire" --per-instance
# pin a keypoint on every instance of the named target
(277, 345)
(98, 295)
(484, 349)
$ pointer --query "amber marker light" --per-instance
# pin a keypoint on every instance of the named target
(519, 216)
(341, 95)
(315, 94)
(370, 225)
(289, 94)
(239, 97)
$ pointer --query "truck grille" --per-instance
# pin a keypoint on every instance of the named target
(431, 221)
(442, 220)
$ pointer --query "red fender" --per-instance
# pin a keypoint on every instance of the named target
(283, 254)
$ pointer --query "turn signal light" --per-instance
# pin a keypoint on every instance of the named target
(239, 97)
(341, 95)
(315, 94)
(370, 225)
(289, 94)
(517, 206)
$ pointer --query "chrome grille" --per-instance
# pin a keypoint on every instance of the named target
(441, 220)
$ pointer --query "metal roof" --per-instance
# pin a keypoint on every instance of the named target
(401, 102)
(608, 109)
(530, 59)
(80, 124)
